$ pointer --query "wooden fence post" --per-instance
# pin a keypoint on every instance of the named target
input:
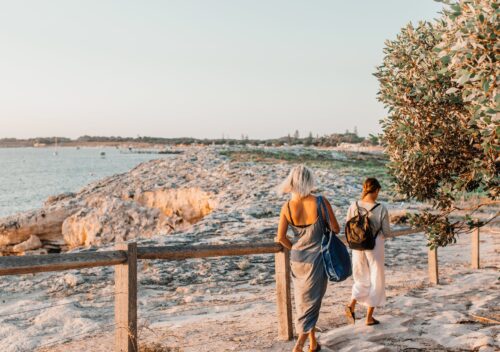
(126, 301)
(475, 249)
(283, 294)
(433, 266)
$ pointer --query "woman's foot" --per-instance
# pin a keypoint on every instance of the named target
(349, 313)
(316, 348)
(372, 321)
(298, 347)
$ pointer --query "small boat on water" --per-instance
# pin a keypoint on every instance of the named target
(103, 154)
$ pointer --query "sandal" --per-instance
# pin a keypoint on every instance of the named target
(318, 348)
(351, 317)
(374, 322)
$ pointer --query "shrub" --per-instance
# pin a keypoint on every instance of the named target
(441, 132)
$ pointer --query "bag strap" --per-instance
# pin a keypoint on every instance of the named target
(290, 213)
(373, 208)
(321, 206)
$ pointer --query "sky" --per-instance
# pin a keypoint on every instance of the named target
(186, 68)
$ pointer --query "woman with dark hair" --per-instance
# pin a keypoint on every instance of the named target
(302, 214)
(368, 265)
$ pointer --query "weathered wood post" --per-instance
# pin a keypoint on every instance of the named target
(475, 249)
(283, 294)
(126, 301)
(433, 266)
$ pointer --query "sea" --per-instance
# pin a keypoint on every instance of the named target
(28, 176)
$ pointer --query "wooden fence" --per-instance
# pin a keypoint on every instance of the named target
(125, 257)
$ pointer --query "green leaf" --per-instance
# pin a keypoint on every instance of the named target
(486, 85)
(446, 59)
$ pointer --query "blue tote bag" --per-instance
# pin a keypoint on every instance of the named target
(335, 255)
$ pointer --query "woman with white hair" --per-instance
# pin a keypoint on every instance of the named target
(308, 273)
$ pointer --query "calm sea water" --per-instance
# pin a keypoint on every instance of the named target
(29, 175)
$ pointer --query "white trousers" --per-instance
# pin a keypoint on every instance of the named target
(368, 274)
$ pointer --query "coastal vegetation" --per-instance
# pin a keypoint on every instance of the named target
(439, 82)
(312, 157)
(357, 164)
(330, 140)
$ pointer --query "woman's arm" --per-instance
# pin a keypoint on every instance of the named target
(334, 225)
(386, 226)
(282, 228)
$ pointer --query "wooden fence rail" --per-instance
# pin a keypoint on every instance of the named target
(125, 257)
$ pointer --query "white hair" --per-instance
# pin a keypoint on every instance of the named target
(299, 181)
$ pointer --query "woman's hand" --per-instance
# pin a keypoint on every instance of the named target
(282, 228)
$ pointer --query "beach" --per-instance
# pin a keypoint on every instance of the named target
(229, 303)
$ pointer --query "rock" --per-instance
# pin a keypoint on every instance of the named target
(72, 280)
(44, 223)
(59, 197)
(191, 204)
(244, 264)
(40, 251)
(192, 299)
(109, 219)
(183, 290)
(33, 242)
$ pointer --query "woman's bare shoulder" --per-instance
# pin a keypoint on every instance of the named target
(284, 208)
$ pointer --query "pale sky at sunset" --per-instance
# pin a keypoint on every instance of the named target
(195, 68)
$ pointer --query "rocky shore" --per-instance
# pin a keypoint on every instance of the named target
(202, 195)
(198, 186)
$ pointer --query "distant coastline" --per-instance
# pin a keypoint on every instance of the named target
(332, 140)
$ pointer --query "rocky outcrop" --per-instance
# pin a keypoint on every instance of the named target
(159, 211)
(30, 244)
(200, 195)
(138, 204)
(44, 223)
(188, 204)
(109, 219)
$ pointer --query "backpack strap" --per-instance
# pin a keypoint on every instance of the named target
(290, 213)
(376, 205)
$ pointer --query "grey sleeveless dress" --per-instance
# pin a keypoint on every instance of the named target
(308, 274)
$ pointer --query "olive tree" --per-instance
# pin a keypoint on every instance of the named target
(436, 145)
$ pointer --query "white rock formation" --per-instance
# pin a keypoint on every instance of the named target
(190, 204)
(30, 244)
(44, 223)
(110, 219)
